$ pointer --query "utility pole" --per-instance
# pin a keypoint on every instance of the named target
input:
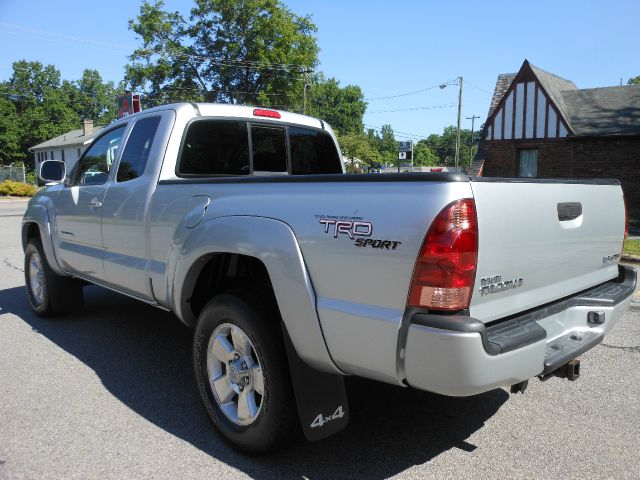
(457, 160)
(473, 119)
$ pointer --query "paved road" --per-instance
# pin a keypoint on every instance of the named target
(108, 393)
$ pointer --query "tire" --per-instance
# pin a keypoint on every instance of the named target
(49, 294)
(273, 420)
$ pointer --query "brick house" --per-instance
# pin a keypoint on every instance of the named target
(541, 125)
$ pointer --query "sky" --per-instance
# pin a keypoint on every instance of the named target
(387, 48)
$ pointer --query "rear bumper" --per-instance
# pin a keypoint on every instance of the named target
(458, 355)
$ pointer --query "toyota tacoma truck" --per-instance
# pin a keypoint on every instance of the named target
(293, 274)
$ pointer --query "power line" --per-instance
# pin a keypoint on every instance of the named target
(415, 92)
(478, 88)
(57, 37)
(43, 34)
(197, 89)
(405, 134)
(428, 107)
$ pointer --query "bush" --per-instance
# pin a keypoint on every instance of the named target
(17, 189)
(31, 177)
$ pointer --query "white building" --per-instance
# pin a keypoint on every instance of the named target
(66, 147)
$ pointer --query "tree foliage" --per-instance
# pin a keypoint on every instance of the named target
(358, 152)
(634, 81)
(342, 107)
(423, 156)
(36, 105)
(444, 146)
(95, 99)
(250, 51)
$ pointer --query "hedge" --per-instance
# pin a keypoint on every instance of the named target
(17, 189)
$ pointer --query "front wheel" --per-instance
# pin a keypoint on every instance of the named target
(242, 373)
(49, 294)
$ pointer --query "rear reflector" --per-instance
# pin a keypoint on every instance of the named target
(445, 270)
(263, 112)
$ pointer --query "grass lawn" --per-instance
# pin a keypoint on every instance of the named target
(632, 247)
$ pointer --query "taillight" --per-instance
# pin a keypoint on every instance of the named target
(445, 270)
(263, 112)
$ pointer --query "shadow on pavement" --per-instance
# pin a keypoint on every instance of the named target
(143, 357)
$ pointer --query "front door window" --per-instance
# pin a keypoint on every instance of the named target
(94, 166)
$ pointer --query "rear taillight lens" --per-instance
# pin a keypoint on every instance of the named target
(446, 266)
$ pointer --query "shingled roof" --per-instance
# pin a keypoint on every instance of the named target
(69, 139)
(502, 85)
(587, 112)
(604, 111)
(555, 86)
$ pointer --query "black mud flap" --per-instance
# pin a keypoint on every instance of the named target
(321, 397)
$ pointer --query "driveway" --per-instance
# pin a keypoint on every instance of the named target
(108, 393)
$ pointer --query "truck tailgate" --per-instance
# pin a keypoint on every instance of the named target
(542, 240)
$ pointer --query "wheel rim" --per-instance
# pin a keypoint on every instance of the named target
(235, 374)
(36, 278)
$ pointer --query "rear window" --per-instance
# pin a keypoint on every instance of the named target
(269, 147)
(313, 151)
(221, 147)
(215, 147)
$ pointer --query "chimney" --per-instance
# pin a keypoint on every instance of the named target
(87, 126)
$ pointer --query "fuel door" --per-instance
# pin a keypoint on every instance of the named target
(197, 208)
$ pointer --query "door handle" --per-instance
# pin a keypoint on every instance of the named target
(95, 204)
(569, 211)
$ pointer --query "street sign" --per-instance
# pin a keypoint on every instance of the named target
(405, 146)
(405, 156)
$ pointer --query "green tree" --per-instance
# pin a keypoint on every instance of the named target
(634, 81)
(10, 131)
(93, 98)
(388, 143)
(356, 146)
(444, 146)
(342, 107)
(41, 108)
(251, 52)
(423, 155)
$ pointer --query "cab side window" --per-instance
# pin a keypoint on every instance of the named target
(93, 168)
(136, 151)
(215, 147)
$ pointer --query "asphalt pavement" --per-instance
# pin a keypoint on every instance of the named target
(108, 393)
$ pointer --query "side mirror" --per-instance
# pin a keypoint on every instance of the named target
(52, 171)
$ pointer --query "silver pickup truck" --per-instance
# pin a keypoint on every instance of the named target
(293, 275)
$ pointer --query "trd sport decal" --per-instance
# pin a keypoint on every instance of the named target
(355, 228)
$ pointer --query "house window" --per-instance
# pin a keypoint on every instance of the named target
(79, 153)
(528, 163)
(62, 154)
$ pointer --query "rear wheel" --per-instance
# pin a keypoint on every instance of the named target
(242, 372)
(49, 294)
